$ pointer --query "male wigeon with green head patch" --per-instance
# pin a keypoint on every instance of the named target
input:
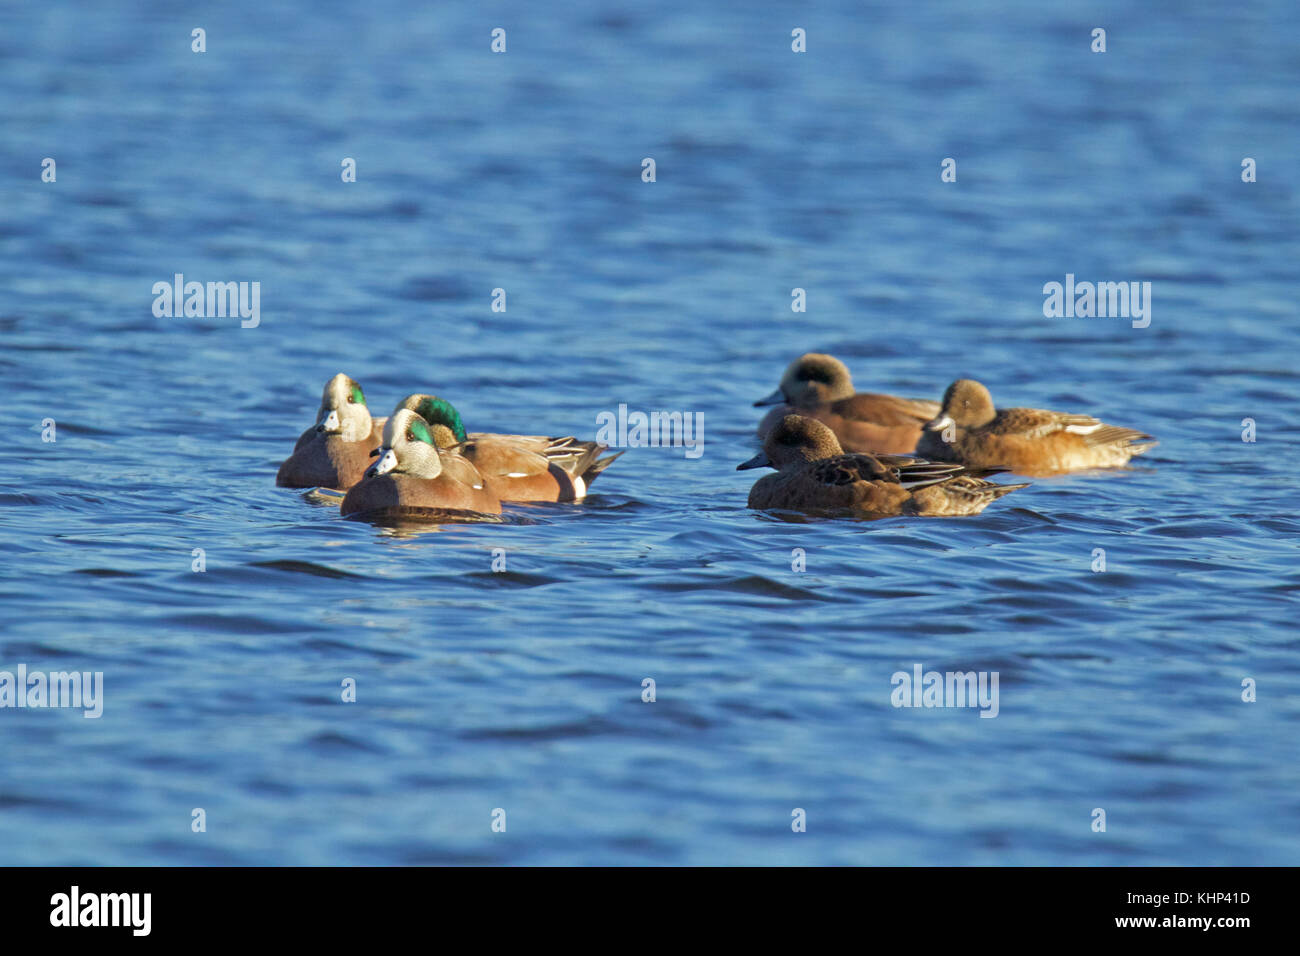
(437, 411)
(343, 410)
(515, 467)
(413, 474)
(819, 386)
(335, 452)
(408, 448)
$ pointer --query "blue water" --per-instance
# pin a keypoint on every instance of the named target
(521, 690)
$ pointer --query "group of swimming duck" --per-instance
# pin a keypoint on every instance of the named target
(420, 459)
(834, 450)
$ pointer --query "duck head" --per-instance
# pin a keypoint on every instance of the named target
(441, 416)
(408, 448)
(966, 404)
(343, 410)
(795, 440)
(812, 379)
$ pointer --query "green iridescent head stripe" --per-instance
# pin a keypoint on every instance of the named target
(421, 432)
(357, 396)
(438, 411)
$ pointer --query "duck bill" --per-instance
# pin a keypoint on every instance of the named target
(758, 461)
(330, 422)
(776, 398)
(385, 464)
(938, 424)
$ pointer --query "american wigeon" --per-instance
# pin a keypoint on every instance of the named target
(413, 475)
(815, 474)
(516, 467)
(1028, 441)
(819, 386)
(335, 452)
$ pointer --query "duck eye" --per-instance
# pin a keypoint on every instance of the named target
(410, 435)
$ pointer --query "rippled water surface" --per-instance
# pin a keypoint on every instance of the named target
(522, 690)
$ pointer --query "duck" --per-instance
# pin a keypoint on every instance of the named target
(1026, 441)
(414, 476)
(814, 473)
(819, 386)
(519, 468)
(335, 452)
